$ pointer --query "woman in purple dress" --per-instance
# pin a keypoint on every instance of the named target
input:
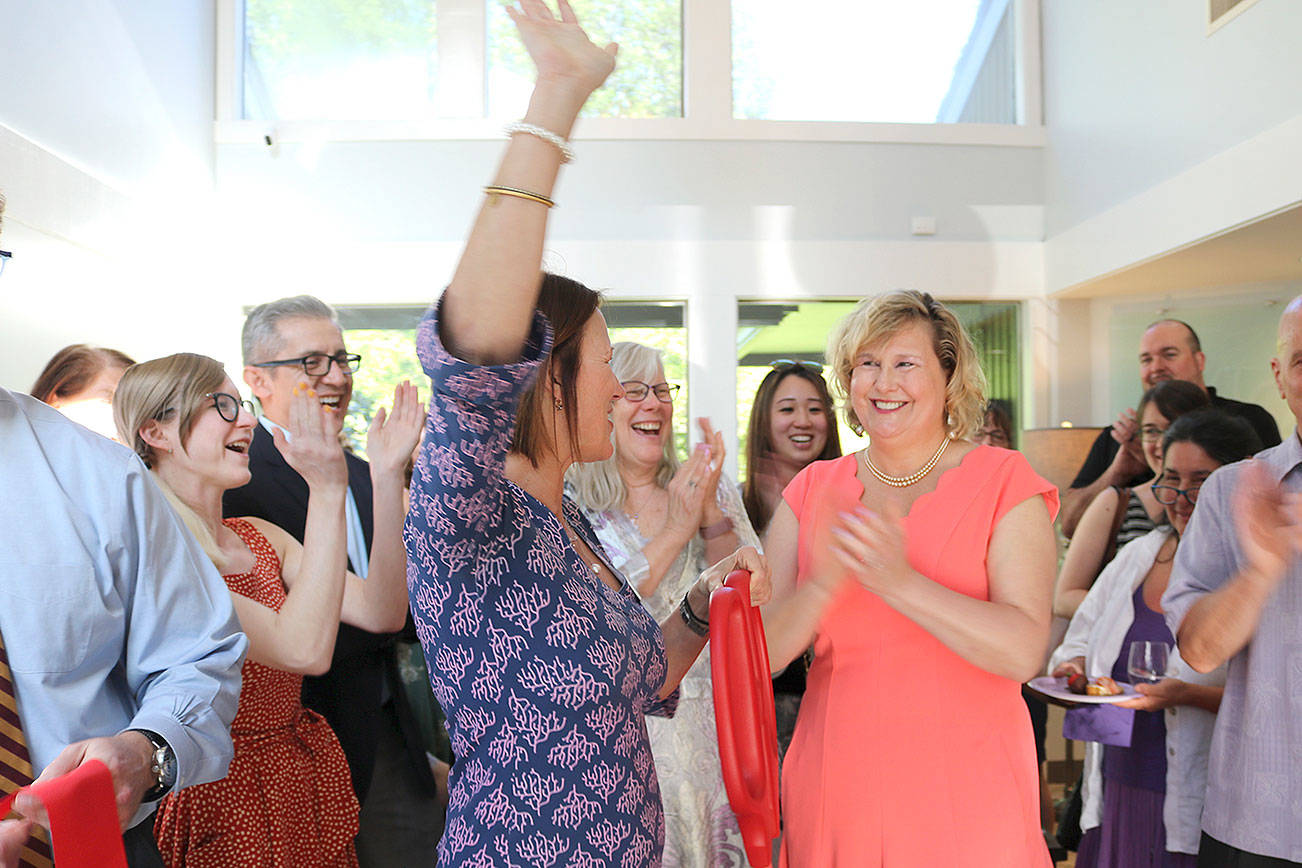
(1143, 803)
(541, 654)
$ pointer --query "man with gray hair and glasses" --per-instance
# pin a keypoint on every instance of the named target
(293, 344)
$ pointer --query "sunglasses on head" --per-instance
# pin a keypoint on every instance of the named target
(788, 364)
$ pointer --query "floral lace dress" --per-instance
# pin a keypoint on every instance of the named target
(700, 828)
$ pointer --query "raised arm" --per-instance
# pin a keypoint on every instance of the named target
(378, 603)
(1084, 558)
(300, 637)
(1268, 523)
(488, 307)
(1127, 463)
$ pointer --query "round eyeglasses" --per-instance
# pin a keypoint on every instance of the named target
(228, 406)
(636, 390)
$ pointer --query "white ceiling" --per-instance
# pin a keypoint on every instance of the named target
(1263, 251)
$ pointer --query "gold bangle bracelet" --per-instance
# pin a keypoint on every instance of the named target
(498, 190)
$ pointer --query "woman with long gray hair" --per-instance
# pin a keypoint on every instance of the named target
(662, 523)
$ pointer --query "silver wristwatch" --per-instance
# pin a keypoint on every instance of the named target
(162, 765)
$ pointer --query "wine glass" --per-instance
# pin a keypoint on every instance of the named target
(1147, 661)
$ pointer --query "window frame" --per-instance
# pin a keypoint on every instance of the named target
(707, 99)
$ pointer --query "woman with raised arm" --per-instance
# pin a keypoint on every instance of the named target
(539, 651)
(288, 797)
(921, 569)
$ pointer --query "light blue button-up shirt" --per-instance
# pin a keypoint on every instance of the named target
(113, 617)
(1254, 780)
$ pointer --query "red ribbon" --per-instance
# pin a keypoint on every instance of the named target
(743, 714)
(83, 812)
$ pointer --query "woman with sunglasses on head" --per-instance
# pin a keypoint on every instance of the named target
(288, 798)
(791, 425)
(1143, 803)
(921, 569)
(662, 523)
(539, 650)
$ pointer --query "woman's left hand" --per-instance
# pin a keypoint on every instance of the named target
(1155, 697)
(715, 452)
(871, 546)
(394, 434)
(744, 558)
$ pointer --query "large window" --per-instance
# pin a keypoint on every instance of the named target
(431, 59)
(385, 338)
(841, 70)
(902, 61)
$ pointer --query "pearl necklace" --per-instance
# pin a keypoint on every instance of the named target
(912, 478)
(574, 541)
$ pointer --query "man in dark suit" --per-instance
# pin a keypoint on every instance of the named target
(288, 343)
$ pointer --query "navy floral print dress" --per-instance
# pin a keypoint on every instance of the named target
(544, 671)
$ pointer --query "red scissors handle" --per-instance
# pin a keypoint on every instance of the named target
(743, 714)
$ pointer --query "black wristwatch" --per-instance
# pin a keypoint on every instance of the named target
(162, 765)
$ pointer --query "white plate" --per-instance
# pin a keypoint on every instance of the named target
(1056, 689)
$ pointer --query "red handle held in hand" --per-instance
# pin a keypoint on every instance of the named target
(743, 714)
(83, 814)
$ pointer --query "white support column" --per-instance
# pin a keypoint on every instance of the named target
(712, 366)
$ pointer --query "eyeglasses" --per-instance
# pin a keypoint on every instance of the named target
(228, 406)
(786, 364)
(1151, 433)
(1167, 495)
(318, 364)
(635, 391)
(5, 256)
(991, 436)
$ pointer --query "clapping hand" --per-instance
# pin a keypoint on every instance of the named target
(1129, 460)
(560, 49)
(393, 435)
(692, 491)
(312, 447)
(871, 545)
(1268, 521)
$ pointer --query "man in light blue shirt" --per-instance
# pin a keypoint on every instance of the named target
(1235, 595)
(121, 637)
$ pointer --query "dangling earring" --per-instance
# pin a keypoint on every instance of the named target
(556, 402)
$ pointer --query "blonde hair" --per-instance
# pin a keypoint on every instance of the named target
(175, 386)
(876, 319)
(597, 485)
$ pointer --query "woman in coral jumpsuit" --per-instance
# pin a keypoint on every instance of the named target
(921, 568)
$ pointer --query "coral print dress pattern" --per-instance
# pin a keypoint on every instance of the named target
(545, 672)
(288, 799)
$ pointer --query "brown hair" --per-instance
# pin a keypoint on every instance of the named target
(875, 319)
(568, 305)
(73, 368)
(759, 434)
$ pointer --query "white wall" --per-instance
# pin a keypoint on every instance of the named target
(1160, 135)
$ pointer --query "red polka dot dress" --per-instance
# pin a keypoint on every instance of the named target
(287, 799)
